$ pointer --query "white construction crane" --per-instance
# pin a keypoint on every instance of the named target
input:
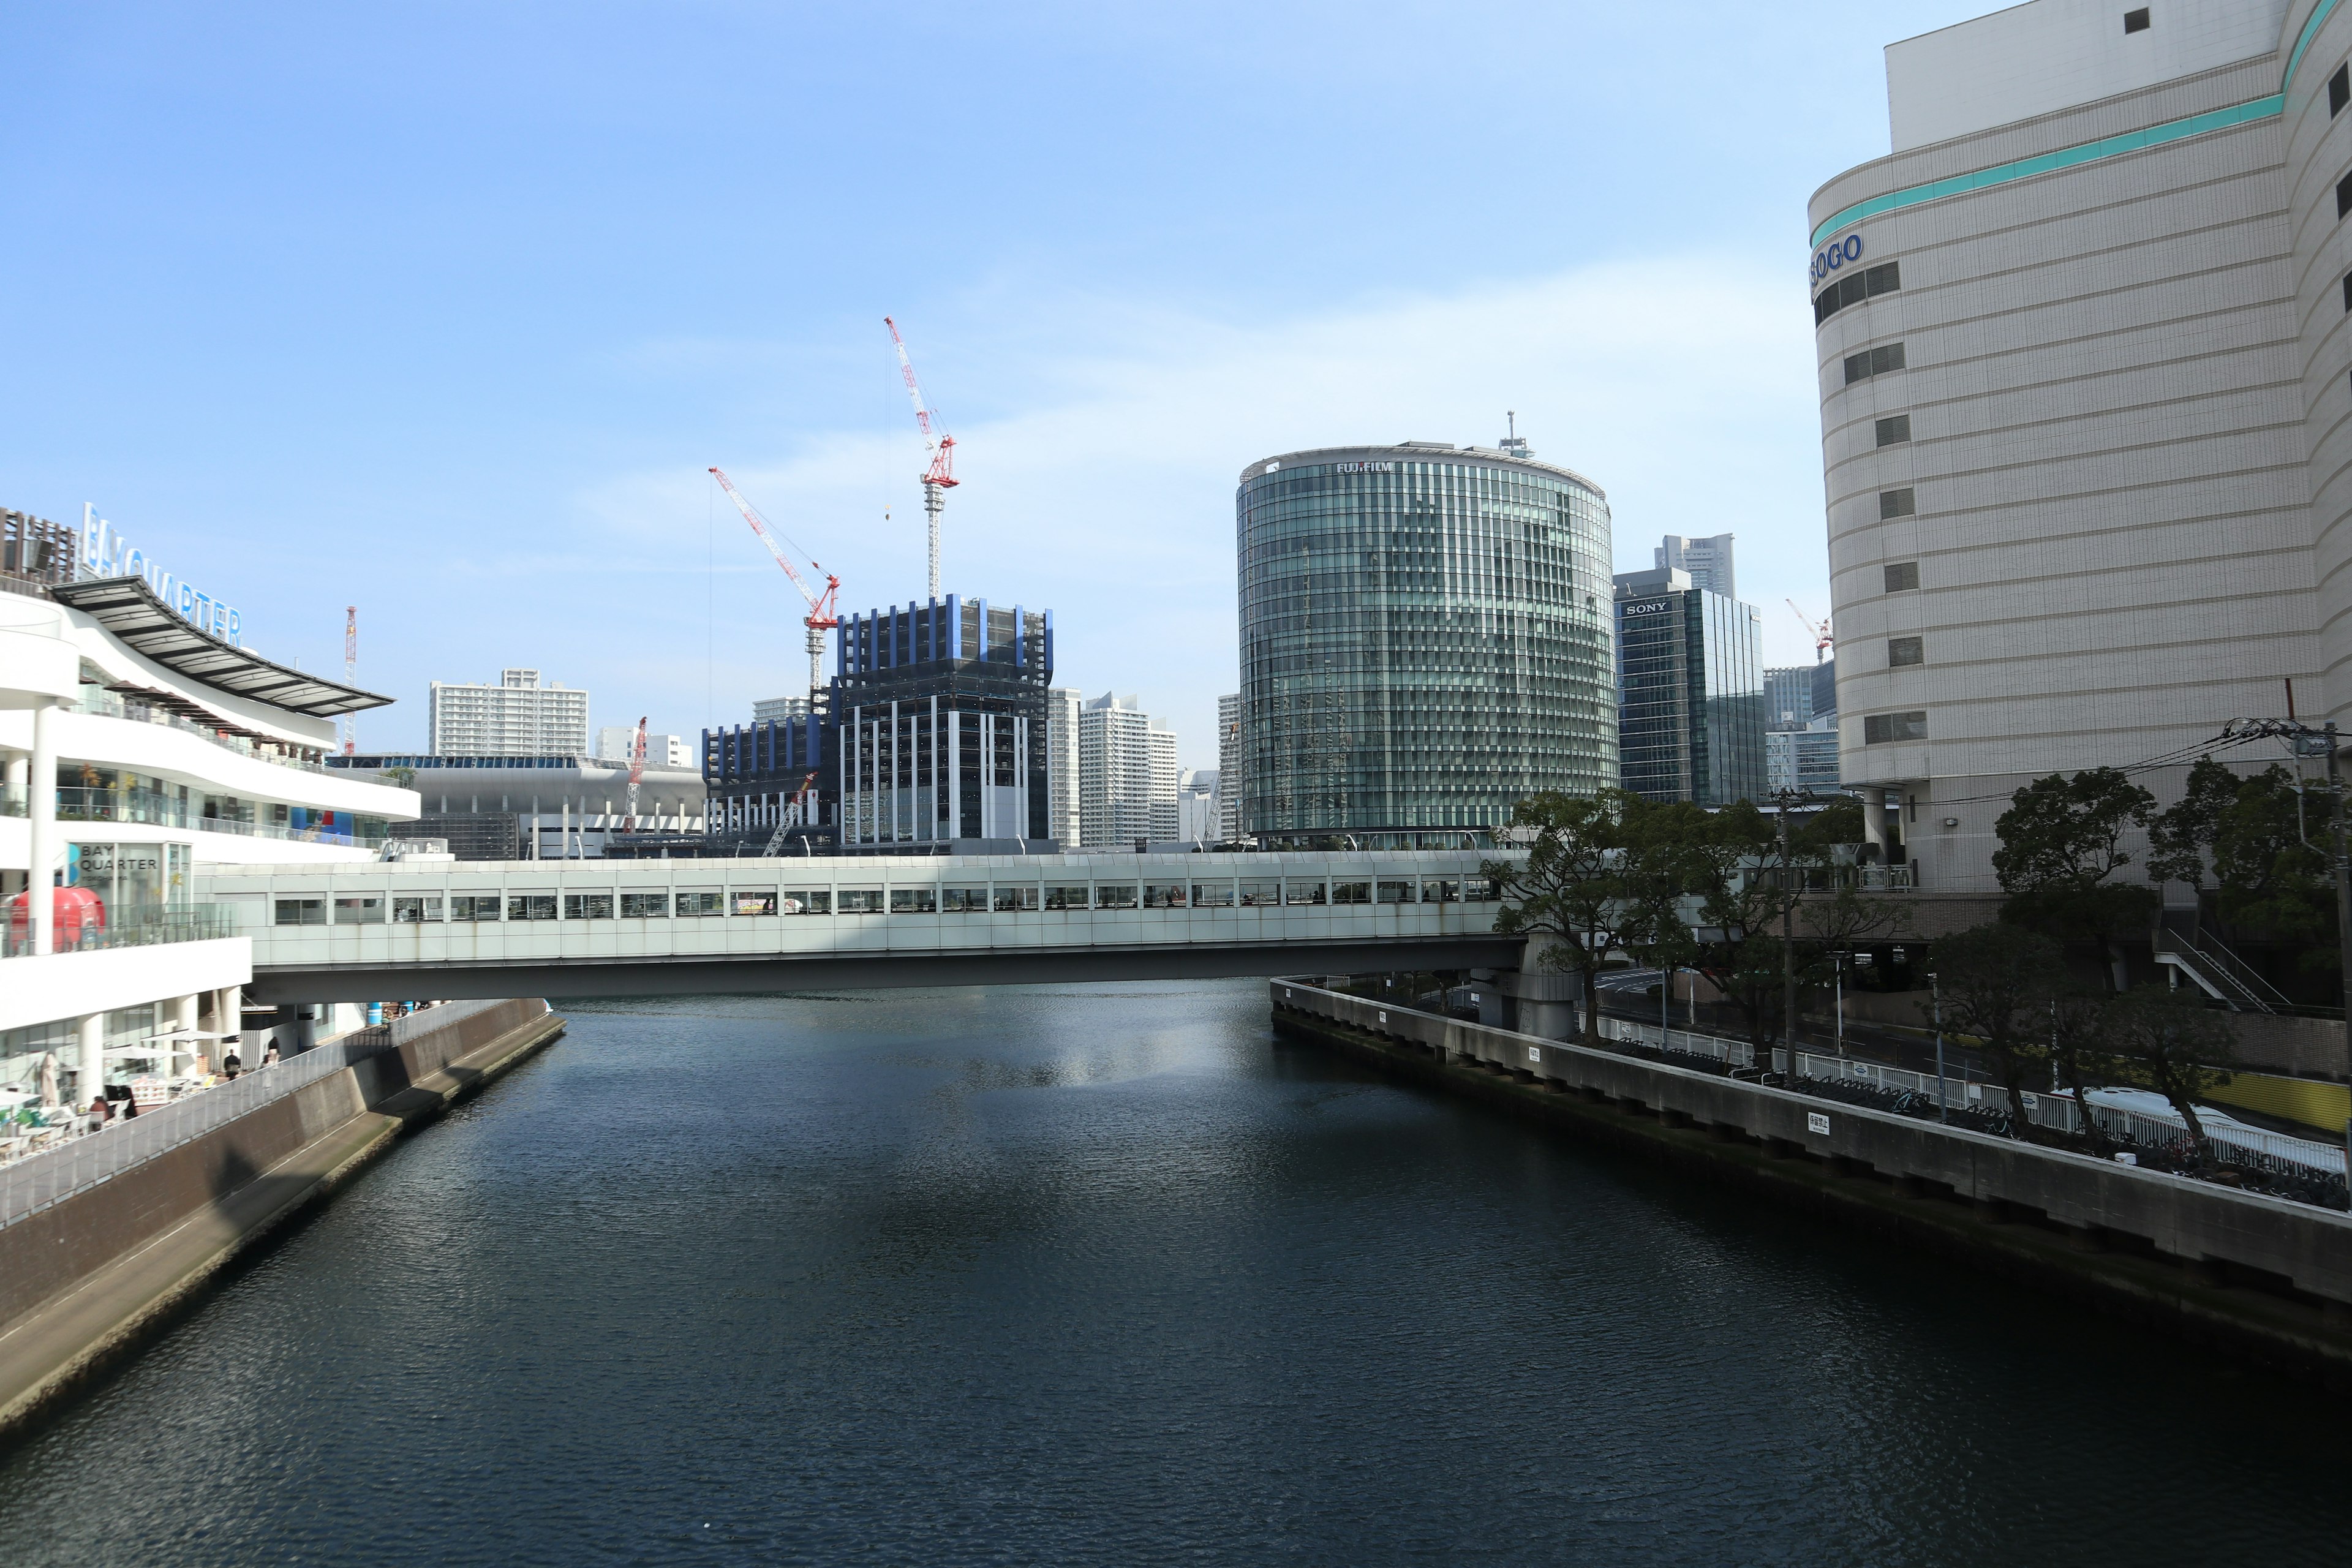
(823, 615)
(1820, 634)
(939, 478)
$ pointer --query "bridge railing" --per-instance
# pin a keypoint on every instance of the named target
(33, 1183)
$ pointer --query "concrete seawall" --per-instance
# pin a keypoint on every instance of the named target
(2261, 1278)
(85, 1279)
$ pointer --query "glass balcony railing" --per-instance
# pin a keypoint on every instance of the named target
(80, 805)
(138, 928)
(98, 701)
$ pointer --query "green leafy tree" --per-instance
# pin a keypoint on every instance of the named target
(2083, 1051)
(2170, 1041)
(2180, 837)
(1999, 983)
(1590, 884)
(2061, 839)
(2273, 861)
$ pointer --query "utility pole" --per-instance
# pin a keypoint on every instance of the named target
(1788, 938)
(2343, 904)
(1943, 1101)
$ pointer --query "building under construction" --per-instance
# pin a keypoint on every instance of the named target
(932, 732)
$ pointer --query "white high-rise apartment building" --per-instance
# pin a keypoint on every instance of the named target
(516, 718)
(1708, 561)
(613, 742)
(1127, 776)
(771, 708)
(1230, 752)
(1063, 704)
(2086, 424)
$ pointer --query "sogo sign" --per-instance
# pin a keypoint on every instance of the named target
(1836, 254)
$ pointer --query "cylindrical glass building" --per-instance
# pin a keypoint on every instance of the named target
(1425, 641)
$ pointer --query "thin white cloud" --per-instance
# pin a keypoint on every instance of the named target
(1683, 386)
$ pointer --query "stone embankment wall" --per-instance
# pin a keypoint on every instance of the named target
(2255, 1272)
(84, 1275)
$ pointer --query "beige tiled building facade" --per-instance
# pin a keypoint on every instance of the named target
(2086, 419)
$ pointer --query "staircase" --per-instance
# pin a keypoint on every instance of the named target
(2221, 974)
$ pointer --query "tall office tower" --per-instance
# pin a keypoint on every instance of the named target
(1232, 782)
(1804, 759)
(1690, 690)
(1825, 690)
(1127, 776)
(1788, 697)
(940, 718)
(1708, 562)
(1062, 706)
(1424, 641)
(1196, 806)
(767, 710)
(516, 718)
(2085, 420)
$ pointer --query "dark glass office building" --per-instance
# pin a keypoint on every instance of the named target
(1690, 692)
(1424, 640)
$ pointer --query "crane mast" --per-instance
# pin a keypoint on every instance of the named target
(1820, 634)
(939, 478)
(823, 615)
(636, 771)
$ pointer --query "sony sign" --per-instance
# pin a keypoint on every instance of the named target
(1647, 607)
(106, 554)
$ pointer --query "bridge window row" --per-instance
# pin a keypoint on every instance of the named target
(1022, 898)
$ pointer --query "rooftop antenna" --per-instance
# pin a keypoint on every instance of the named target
(1512, 445)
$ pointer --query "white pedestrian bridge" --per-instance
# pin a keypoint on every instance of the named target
(411, 931)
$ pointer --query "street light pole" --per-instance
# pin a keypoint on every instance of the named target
(1788, 942)
(2343, 905)
(1943, 1100)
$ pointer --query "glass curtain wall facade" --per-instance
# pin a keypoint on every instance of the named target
(1425, 639)
(1690, 697)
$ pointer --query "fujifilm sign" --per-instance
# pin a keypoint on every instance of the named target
(106, 554)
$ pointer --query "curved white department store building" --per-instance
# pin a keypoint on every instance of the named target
(2085, 352)
(140, 750)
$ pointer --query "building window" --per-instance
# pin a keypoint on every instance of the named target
(1905, 650)
(301, 911)
(914, 900)
(756, 901)
(1893, 428)
(587, 906)
(473, 906)
(359, 912)
(1898, 503)
(2135, 21)
(422, 911)
(645, 906)
(2340, 90)
(1881, 728)
(530, 906)
(1902, 576)
(692, 905)
(2344, 195)
(1855, 287)
(1875, 361)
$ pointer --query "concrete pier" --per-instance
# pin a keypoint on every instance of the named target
(89, 1278)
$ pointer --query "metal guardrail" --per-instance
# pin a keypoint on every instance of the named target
(35, 1181)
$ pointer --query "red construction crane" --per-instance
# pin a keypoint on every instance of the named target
(939, 478)
(1820, 634)
(351, 674)
(823, 615)
(636, 771)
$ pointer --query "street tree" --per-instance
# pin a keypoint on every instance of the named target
(2061, 840)
(1588, 887)
(2172, 1042)
(1999, 983)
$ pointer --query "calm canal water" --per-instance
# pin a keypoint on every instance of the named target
(1107, 1275)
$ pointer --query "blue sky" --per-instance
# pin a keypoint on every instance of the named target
(443, 310)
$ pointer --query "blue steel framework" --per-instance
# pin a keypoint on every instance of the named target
(1690, 697)
(932, 729)
(1425, 640)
